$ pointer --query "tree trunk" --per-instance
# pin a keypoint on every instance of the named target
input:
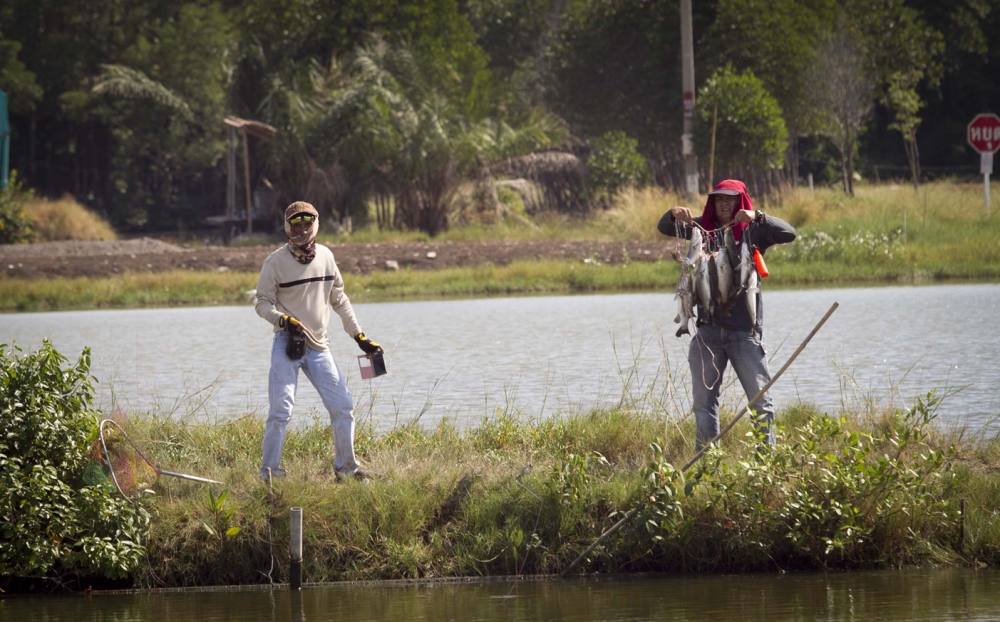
(849, 177)
(912, 158)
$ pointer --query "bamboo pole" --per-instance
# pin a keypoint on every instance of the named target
(701, 452)
(246, 180)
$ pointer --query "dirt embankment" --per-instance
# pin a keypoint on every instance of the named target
(53, 259)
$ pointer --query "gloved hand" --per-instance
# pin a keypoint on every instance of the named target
(367, 345)
(295, 348)
(289, 322)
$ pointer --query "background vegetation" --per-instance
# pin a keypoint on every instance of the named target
(884, 234)
(414, 113)
(65, 219)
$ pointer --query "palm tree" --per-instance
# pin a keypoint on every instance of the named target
(398, 137)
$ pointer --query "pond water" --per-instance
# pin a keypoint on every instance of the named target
(539, 356)
(939, 595)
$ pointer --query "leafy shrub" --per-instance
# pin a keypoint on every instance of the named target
(750, 132)
(825, 496)
(15, 226)
(65, 219)
(614, 164)
(56, 517)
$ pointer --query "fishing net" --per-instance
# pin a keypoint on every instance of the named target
(127, 467)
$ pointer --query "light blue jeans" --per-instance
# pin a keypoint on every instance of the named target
(331, 385)
(711, 350)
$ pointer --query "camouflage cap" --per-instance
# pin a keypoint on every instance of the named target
(300, 207)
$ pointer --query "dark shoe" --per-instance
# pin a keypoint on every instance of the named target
(357, 474)
(275, 474)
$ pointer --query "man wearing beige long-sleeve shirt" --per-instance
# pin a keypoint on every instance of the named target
(298, 286)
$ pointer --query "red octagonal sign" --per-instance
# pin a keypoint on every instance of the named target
(983, 132)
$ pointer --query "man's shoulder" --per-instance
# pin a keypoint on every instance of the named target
(325, 252)
(273, 255)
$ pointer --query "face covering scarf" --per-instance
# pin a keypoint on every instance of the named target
(302, 240)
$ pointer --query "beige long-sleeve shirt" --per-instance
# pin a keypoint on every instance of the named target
(307, 292)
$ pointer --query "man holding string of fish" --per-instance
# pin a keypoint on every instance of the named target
(720, 278)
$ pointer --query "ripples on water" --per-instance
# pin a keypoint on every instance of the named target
(468, 359)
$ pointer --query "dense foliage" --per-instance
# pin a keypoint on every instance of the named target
(15, 226)
(828, 495)
(614, 164)
(740, 127)
(400, 103)
(59, 518)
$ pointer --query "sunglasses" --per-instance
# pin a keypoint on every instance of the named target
(301, 218)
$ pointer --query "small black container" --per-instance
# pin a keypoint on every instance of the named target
(372, 365)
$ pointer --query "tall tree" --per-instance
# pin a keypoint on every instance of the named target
(903, 53)
(739, 125)
(164, 154)
(616, 66)
(779, 42)
(843, 91)
(395, 134)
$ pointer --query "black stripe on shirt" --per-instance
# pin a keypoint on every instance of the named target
(313, 279)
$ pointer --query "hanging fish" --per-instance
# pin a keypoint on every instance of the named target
(745, 266)
(685, 294)
(685, 303)
(702, 286)
(723, 281)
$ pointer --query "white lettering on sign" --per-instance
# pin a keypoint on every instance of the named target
(985, 133)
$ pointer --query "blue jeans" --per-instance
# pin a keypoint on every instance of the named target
(331, 385)
(711, 349)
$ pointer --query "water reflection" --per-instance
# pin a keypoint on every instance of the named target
(883, 595)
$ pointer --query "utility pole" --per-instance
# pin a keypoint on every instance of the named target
(687, 84)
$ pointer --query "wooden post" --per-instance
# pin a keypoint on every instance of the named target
(231, 140)
(246, 180)
(711, 147)
(687, 93)
(295, 548)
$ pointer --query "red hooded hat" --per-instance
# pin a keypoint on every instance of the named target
(733, 187)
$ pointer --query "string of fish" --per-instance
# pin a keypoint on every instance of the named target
(711, 281)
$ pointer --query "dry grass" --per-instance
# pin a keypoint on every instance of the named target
(66, 219)
(635, 212)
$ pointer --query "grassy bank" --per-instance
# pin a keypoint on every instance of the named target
(179, 288)
(885, 234)
(513, 496)
(872, 487)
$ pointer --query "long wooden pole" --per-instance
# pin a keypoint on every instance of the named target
(246, 180)
(711, 146)
(701, 452)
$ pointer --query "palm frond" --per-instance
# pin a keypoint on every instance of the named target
(128, 83)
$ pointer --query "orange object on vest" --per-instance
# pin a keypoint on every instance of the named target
(758, 262)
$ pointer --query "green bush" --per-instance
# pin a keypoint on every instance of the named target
(827, 496)
(614, 164)
(750, 132)
(15, 226)
(58, 518)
